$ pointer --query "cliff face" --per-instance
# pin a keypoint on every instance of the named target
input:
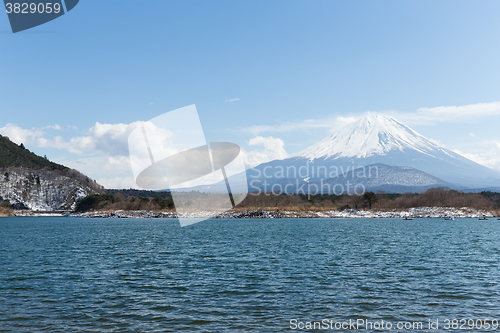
(44, 190)
(29, 181)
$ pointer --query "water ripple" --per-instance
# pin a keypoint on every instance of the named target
(67, 274)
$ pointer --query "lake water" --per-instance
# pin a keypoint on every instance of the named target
(247, 275)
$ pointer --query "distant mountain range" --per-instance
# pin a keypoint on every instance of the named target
(381, 177)
(405, 161)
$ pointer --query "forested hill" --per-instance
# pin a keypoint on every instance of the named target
(28, 181)
(12, 155)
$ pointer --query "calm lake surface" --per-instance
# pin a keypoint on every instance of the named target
(247, 275)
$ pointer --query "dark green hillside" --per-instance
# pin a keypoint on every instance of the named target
(140, 193)
(12, 155)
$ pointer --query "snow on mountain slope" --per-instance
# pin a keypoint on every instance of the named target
(41, 190)
(405, 158)
(372, 135)
(382, 139)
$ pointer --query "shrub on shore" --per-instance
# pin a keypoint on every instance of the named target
(120, 202)
(6, 212)
(437, 197)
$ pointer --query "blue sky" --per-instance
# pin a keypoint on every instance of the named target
(272, 76)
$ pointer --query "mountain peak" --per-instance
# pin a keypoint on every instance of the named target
(368, 136)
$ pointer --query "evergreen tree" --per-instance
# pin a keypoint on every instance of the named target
(371, 198)
(13, 155)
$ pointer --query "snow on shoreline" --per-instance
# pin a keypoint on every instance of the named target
(420, 212)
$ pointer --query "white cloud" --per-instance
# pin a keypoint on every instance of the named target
(110, 139)
(118, 163)
(54, 127)
(118, 182)
(446, 114)
(274, 148)
(20, 135)
(76, 145)
(490, 157)
(472, 134)
(27, 136)
(109, 171)
(230, 100)
(99, 164)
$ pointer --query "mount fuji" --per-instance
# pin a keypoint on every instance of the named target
(372, 135)
(375, 153)
(377, 140)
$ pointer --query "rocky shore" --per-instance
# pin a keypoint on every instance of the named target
(420, 212)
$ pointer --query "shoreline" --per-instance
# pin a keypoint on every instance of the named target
(420, 212)
(6, 212)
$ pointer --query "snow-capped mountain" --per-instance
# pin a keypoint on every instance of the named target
(372, 140)
(373, 153)
(372, 135)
